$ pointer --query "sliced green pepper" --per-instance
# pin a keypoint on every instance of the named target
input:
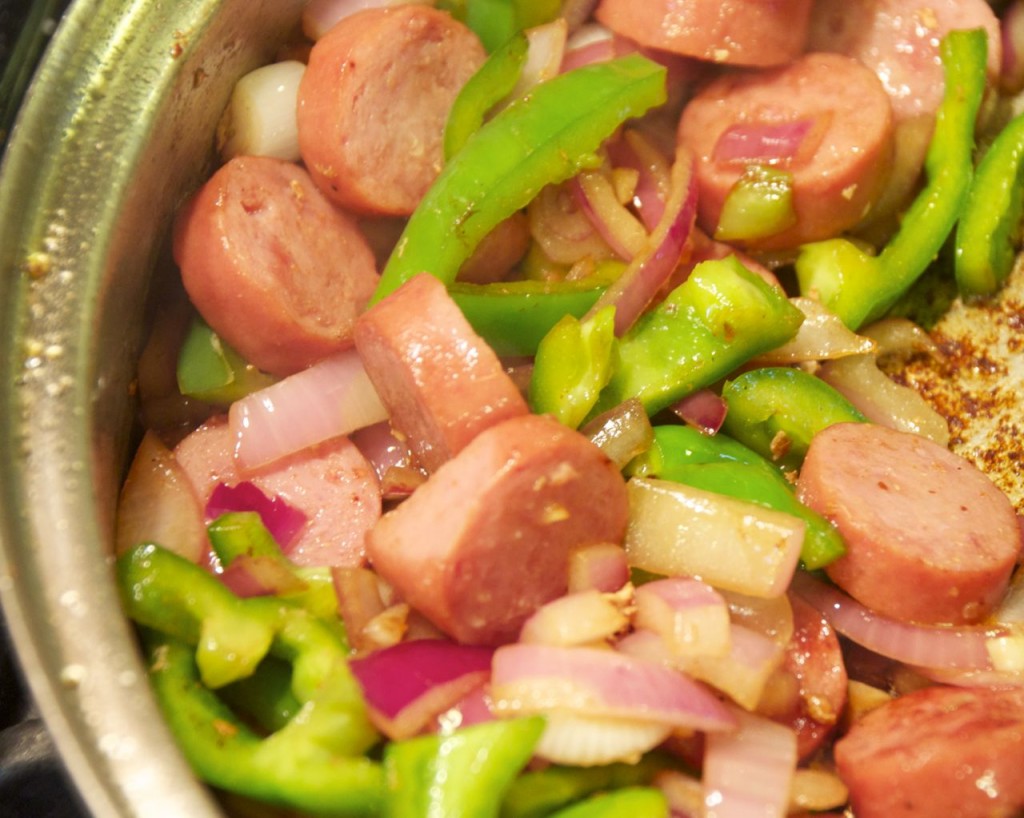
(513, 316)
(636, 802)
(777, 410)
(211, 371)
(720, 317)
(720, 464)
(760, 204)
(461, 775)
(572, 366)
(545, 137)
(494, 21)
(859, 287)
(988, 233)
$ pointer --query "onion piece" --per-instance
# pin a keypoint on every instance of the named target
(749, 773)
(650, 269)
(588, 741)
(769, 617)
(821, 336)
(320, 16)
(816, 790)
(677, 530)
(259, 119)
(584, 618)
(601, 567)
(595, 195)
(359, 601)
(283, 521)
(157, 504)
(761, 142)
(704, 409)
(589, 44)
(881, 400)
(545, 49)
(684, 793)
(1011, 27)
(407, 685)
(690, 615)
(473, 708)
(899, 338)
(562, 230)
(251, 575)
(653, 171)
(530, 679)
(331, 398)
(382, 448)
(925, 646)
(743, 672)
(622, 433)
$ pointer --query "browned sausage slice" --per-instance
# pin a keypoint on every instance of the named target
(441, 382)
(486, 540)
(941, 752)
(272, 266)
(832, 121)
(930, 538)
(741, 32)
(333, 485)
(374, 100)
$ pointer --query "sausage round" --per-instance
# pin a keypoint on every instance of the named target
(836, 112)
(740, 32)
(271, 265)
(486, 540)
(929, 537)
(373, 104)
(333, 485)
(441, 383)
(940, 752)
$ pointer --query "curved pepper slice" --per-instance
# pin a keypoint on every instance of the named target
(545, 137)
(859, 287)
(987, 235)
(636, 802)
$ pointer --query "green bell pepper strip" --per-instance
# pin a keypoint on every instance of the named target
(538, 793)
(760, 204)
(494, 21)
(211, 371)
(167, 593)
(859, 287)
(719, 318)
(485, 89)
(777, 410)
(720, 464)
(296, 767)
(545, 137)
(461, 775)
(514, 316)
(266, 696)
(572, 366)
(988, 233)
(636, 802)
(238, 534)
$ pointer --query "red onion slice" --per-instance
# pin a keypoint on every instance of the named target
(595, 196)
(332, 398)
(601, 567)
(690, 615)
(407, 685)
(250, 575)
(635, 152)
(283, 521)
(760, 142)
(935, 647)
(704, 409)
(1011, 26)
(382, 448)
(584, 618)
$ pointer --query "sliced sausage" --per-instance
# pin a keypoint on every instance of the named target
(272, 266)
(814, 673)
(899, 41)
(442, 384)
(824, 119)
(486, 540)
(941, 752)
(740, 32)
(929, 537)
(333, 485)
(374, 100)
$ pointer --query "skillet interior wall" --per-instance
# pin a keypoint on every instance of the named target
(116, 130)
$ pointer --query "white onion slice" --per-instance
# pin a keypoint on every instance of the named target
(926, 646)
(583, 618)
(690, 615)
(546, 47)
(600, 567)
(749, 773)
(622, 231)
(587, 741)
(821, 336)
(260, 117)
(332, 398)
(677, 530)
(622, 433)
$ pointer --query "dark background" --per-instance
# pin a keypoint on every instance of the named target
(33, 783)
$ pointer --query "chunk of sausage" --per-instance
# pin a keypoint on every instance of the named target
(333, 485)
(899, 41)
(814, 675)
(441, 383)
(374, 100)
(486, 540)
(836, 120)
(740, 32)
(272, 266)
(930, 538)
(941, 752)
